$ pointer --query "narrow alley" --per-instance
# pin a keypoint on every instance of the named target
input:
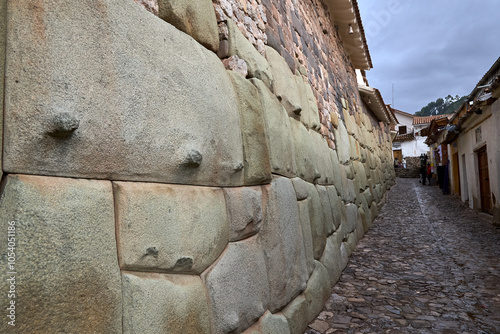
(428, 265)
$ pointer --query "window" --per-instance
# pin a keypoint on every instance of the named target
(402, 129)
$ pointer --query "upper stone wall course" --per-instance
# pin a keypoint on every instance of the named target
(150, 107)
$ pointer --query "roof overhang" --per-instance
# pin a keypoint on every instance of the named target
(375, 102)
(345, 14)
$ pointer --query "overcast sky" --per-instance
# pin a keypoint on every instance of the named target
(429, 48)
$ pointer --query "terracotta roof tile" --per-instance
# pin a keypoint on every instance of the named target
(427, 119)
(405, 137)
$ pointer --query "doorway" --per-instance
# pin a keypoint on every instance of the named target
(484, 180)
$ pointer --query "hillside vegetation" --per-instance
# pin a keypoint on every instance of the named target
(441, 106)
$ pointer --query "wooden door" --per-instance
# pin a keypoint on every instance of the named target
(484, 180)
(398, 154)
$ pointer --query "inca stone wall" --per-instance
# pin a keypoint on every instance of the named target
(153, 190)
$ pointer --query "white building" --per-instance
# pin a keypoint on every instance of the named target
(408, 141)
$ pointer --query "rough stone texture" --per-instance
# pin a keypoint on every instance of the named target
(270, 324)
(296, 315)
(236, 64)
(244, 207)
(65, 256)
(144, 101)
(333, 259)
(305, 159)
(318, 290)
(169, 228)
(149, 5)
(301, 188)
(285, 85)
(327, 209)
(305, 223)
(335, 204)
(278, 132)
(195, 18)
(310, 113)
(257, 167)
(342, 144)
(243, 48)
(317, 219)
(282, 241)
(322, 159)
(159, 303)
(3, 27)
(353, 218)
(238, 287)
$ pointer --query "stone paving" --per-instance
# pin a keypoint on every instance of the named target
(428, 265)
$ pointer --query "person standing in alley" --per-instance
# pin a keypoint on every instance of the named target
(423, 174)
(429, 173)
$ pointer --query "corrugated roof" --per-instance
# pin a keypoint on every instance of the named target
(427, 119)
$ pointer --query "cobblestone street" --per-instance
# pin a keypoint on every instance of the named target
(428, 265)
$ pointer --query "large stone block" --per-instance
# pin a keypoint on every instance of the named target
(108, 101)
(244, 207)
(310, 113)
(169, 228)
(195, 18)
(296, 314)
(159, 303)
(305, 223)
(301, 188)
(240, 46)
(353, 217)
(257, 167)
(285, 85)
(327, 209)
(68, 278)
(332, 257)
(270, 324)
(305, 158)
(238, 287)
(278, 132)
(342, 144)
(283, 244)
(336, 205)
(322, 159)
(318, 291)
(319, 230)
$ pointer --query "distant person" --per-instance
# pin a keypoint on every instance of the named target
(429, 173)
(404, 162)
(396, 162)
(423, 174)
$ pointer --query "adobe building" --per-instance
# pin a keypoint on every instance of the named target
(468, 144)
(183, 166)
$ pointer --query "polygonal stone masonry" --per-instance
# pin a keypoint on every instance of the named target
(278, 132)
(258, 66)
(256, 164)
(195, 18)
(108, 101)
(270, 324)
(159, 303)
(238, 286)
(65, 268)
(283, 244)
(245, 211)
(169, 228)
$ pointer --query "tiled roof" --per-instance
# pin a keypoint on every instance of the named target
(405, 137)
(427, 119)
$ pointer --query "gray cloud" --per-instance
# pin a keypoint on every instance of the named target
(429, 48)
